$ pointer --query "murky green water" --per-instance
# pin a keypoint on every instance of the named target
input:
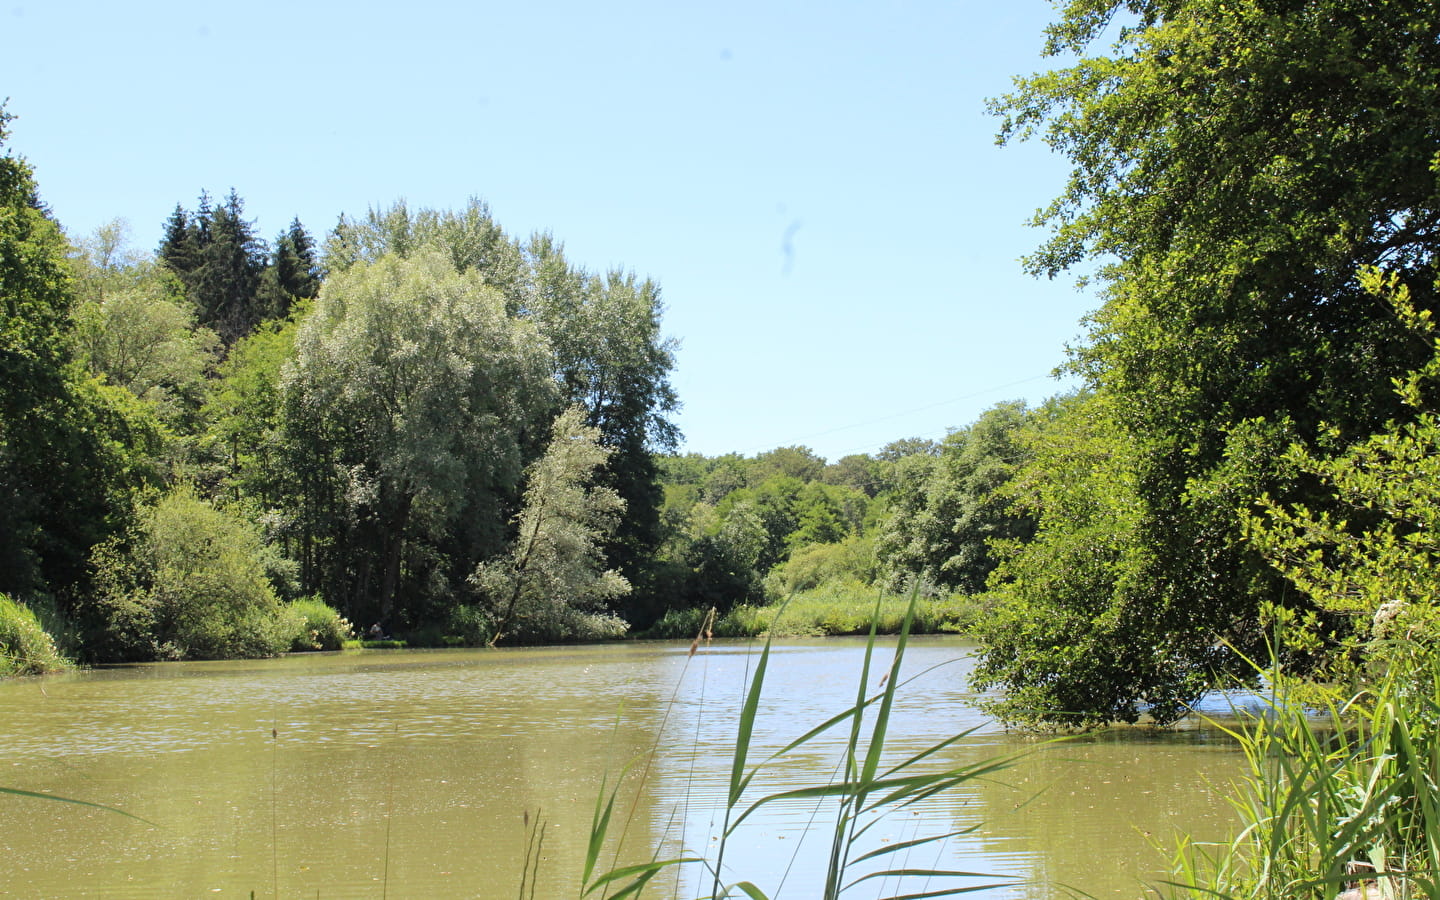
(411, 774)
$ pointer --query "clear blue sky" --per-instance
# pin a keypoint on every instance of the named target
(814, 185)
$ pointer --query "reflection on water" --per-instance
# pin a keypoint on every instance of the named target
(411, 773)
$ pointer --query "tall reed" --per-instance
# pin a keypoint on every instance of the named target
(1341, 798)
(866, 790)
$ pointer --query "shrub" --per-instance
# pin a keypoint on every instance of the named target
(677, 624)
(189, 583)
(810, 567)
(315, 625)
(25, 647)
(470, 625)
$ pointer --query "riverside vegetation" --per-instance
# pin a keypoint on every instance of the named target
(193, 440)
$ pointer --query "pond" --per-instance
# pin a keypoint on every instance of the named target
(422, 773)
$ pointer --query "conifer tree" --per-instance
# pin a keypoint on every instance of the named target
(296, 263)
(179, 250)
(219, 259)
(293, 272)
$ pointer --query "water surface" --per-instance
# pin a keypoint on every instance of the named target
(420, 773)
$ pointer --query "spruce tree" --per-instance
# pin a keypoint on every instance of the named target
(179, 250)
(219, 259)
(298, 268)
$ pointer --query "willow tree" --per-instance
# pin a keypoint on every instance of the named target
(610, 356)
(614, 362)
(553, 578)
(409, 410)
(1235, 164)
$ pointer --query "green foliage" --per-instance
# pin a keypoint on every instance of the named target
(316, 626)
(104, 262)
(25, 647)
(611, 360)
(144, 340)
(469, 238)
(787, 462)
(837, 607)
(858, 471)
(1235, 165)
(551, 584)
(244, 413)
(1073, 599)
(811, 565)
(471, 625)
(1373, 566)
(70, 450)
(407, 410)
(189, 583)
(732, 525)
(609, 355)
(947, 509)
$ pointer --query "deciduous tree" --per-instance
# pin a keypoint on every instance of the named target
(554, 574)
(1235, 165)
(411, 398)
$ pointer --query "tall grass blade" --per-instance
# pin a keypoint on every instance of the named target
(599, 828)
(865, 790)
(751, 891)
(746, 727)
(905, 846)
(15, 792)
(642, 872)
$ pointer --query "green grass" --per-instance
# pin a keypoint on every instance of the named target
(26, 648)
(1340, 795)
(829, 610)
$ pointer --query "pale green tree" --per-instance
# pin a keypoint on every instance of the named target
(190, 582)
(470, 238)
(612, 360)
(104, 262)
(610, 356)
(145, 340)
(553, 576)
(410, 407)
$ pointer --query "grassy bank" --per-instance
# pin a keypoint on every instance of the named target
(845, 609)
(26, 647)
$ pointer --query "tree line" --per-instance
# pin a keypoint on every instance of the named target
(1245, 473)
(195, 441)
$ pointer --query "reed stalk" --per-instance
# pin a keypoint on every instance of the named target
(1341, 798)
(865, 792)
